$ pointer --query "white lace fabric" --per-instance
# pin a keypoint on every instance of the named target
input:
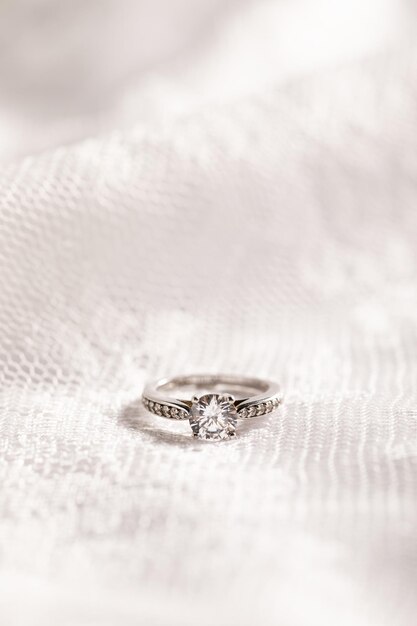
(220, 187)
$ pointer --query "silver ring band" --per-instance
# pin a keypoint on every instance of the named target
(229, 396)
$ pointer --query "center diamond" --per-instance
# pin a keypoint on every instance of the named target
(213, 417)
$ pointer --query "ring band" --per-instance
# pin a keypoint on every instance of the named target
(214, 414)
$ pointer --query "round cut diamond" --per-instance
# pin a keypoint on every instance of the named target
(213, 417)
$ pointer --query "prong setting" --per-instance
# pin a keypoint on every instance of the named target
(213, 417)
(228, 398)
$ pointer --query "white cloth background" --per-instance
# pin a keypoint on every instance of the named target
(208, 186)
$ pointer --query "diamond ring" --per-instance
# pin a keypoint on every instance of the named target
(224, 399)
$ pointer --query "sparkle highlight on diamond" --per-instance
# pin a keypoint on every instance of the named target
(213, 417)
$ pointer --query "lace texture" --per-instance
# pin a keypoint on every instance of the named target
(221, 187)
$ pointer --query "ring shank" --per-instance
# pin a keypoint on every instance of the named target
(249, 386)
(253, 396)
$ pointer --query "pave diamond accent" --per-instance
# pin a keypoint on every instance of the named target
(260, 409)
(213, 417)
(165, 410)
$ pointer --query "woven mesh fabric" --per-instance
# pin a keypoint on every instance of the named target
(244, 202)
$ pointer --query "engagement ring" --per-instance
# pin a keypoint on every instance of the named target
(224, 399)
